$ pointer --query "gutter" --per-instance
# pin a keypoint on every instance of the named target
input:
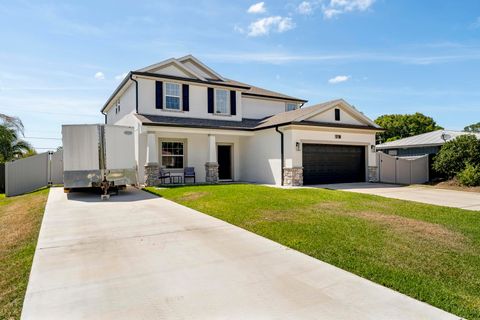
(281, 152)
(136, 91)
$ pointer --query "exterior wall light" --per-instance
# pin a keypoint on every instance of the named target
(373, 148)
(297, 146)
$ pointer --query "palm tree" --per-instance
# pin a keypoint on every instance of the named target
(11, 146)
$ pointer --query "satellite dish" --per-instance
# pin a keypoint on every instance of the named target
(446, 136)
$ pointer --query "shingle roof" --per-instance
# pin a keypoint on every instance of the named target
(245, 124)
(433, 138)
(297, 117)
(294, 115)
(257, 91)
(302, 114)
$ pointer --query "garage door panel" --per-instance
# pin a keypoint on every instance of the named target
(333, 163)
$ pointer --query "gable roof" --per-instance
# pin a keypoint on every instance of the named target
(181, 63)
(174, 62)
(294, 117)
(303, 114)
(200, 64)
(428, 139)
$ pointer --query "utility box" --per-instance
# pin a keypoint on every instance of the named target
(98, 155)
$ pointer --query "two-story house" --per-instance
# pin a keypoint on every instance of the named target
(187, 115)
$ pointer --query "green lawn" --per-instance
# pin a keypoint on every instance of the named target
(20, 219)
(428, 252)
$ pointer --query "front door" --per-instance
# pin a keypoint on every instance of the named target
(224, 154)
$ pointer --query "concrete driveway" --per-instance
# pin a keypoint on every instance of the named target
(142, 257)
(426, 194)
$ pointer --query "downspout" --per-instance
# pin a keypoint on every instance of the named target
(136, 92)
(281, 151)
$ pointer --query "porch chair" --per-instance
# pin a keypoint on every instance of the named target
(188, 172)
(164, 175)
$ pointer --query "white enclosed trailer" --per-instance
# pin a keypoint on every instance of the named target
(98, 155)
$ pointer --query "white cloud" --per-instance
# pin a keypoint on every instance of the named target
(330, 13)
(338, 79)
(121, 76)
(337, 7)
(238, 29)
(257, 8)
(391, 57)
(305, 8)
(264, 26)
(99, 75)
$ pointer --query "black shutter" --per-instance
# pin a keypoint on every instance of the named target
(210, 100)
(159, 94)
(233, 102)
(185, 96)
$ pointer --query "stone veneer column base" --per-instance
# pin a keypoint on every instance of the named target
(293, 176)
(151, 174)
(373, 173)
(211, 170)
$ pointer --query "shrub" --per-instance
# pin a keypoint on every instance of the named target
(470, 176)
(456, 154)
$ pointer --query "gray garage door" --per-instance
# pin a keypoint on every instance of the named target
(323, 163)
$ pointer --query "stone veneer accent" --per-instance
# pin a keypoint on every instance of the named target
(211, 170)
(293, 176)
(373, 173)
(152, 171)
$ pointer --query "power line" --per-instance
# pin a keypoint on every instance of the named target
(43, 138)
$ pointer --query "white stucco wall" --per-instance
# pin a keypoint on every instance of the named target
(198, 102)
(172, 70)
(254, 108)
(198, 70)
(260, 157)
(329, 116)
(127, 105)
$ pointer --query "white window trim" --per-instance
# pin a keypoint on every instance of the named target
(287, 103)
(160, 156)
(229, 107)
(165, 97)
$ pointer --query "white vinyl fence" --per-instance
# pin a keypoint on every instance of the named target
(402, 170)
(28, 174)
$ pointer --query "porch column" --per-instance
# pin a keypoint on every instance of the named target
(151, 165)
(211, 167)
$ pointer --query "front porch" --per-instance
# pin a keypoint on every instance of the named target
(213, 155)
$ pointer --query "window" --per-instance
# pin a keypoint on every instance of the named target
(172, 155)
(172, 96)
(117, 107)
(337, 114)
(222, 102)
(290, 106)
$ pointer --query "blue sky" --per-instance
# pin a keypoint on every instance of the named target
(59, 61)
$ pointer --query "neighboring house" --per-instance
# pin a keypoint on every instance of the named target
(187, 115)
(423, 144)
